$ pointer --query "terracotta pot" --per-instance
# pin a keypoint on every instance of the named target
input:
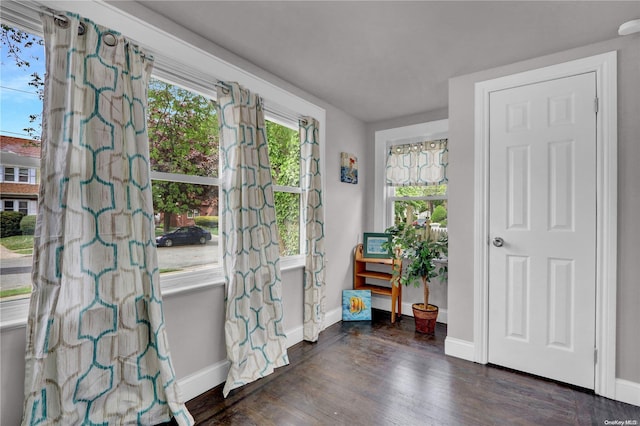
(425, 319)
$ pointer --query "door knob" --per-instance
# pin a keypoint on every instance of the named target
(498, 242)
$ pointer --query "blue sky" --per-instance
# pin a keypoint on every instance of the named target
(15, 104)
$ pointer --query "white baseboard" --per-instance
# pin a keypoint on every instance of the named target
(209, 377)
(332, 317)
(383, 304)
(201, 381)
(294, 336)
(459, 348)
(627, 391)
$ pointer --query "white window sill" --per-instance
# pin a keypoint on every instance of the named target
(13, 313)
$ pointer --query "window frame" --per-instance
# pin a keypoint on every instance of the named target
(28, 174)
(384, 195)
(6, 174)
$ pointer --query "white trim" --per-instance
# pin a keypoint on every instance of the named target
(209, 377)
(202, 380)
(605, 67)
(627, 391)
(295, 335)
(13, 313)
(459, 348)
(431, 130)
(332, 317)
(383, 303)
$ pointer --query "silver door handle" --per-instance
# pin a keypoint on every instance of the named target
(498, 242)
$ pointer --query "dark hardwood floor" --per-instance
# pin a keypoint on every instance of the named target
(378, 373)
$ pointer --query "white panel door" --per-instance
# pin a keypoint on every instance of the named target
(542, 186)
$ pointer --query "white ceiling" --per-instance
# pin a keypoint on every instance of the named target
(385, 59)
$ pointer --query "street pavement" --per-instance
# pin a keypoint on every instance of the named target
(15, 269)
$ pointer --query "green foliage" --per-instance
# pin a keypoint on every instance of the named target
(28, 225)
(15, 291)
(184, 139)
(418, 247)
(439, 214)
(207, 221)
(287, 206)
(422, 265)
(404, 208)
(284, 154)
(284, 158)
(10, 223)
(421, 191)
(18, 243)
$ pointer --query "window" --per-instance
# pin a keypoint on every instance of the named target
(19, 174)
(420, 205)
(184, 146)
(26, 207)
(284, 156)
(23, 175)
(188, 67)
(417, 177)
(421, 197)
(9, 174)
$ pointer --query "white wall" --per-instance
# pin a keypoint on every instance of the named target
(461, 197)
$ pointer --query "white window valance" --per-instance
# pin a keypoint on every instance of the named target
(418, 164)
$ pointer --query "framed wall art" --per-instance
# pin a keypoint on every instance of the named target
(348, 168)
(372, 245)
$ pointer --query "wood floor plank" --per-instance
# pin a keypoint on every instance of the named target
(378, 373)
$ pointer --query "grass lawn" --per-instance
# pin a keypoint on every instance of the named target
(15, 291)
(22, 244)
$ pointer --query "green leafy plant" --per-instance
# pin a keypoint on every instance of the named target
(28, 225)
(206, 221)
(421, 249)
(10, 223)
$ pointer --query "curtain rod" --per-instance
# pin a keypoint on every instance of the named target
(53, 13)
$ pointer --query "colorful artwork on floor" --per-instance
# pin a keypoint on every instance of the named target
(356, 305)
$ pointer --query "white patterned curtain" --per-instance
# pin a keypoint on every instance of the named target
(418, 164)
(313, 217)
(254, 330)
(97, 350)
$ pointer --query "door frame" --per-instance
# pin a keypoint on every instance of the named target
(605, 67)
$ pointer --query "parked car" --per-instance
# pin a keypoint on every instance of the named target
(420, 223)
(184, 235)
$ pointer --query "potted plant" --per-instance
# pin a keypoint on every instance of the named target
(420, 249)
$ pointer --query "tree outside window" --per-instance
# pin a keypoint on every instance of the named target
(184, 159)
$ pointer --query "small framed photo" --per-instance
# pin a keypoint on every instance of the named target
(372, 245)
(356, 305)
(348, 168)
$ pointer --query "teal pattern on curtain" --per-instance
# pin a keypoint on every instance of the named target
(418, 164)
(254, 331)
(313, 218)
(97, 350)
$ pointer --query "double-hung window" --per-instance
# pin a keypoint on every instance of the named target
(19, 174)
(184, 159)
(411, 176)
